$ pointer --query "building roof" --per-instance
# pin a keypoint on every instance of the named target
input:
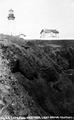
(49, 31)
(22, 35)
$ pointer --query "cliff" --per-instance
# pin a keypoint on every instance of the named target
(36, 78)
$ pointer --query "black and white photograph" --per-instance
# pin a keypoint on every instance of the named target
(36, 59)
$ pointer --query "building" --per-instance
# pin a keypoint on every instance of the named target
(11, 22)
(49, 33)
(22, 36)
(11, 15)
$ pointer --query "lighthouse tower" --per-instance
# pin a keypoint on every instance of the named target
(11, 15)
(11, 19)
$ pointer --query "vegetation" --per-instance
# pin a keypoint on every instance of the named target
(43, 76)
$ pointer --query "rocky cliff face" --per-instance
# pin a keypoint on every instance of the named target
(36, 79)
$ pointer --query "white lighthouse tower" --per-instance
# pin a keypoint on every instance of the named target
(11, 23)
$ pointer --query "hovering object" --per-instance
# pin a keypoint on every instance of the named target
(11, 15)
(49, 33)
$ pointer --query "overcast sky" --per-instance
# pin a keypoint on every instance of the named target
(34, 15)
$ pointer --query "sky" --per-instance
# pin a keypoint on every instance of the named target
(31, 16)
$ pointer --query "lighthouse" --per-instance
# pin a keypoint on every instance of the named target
(11, 19)
(11, 15)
